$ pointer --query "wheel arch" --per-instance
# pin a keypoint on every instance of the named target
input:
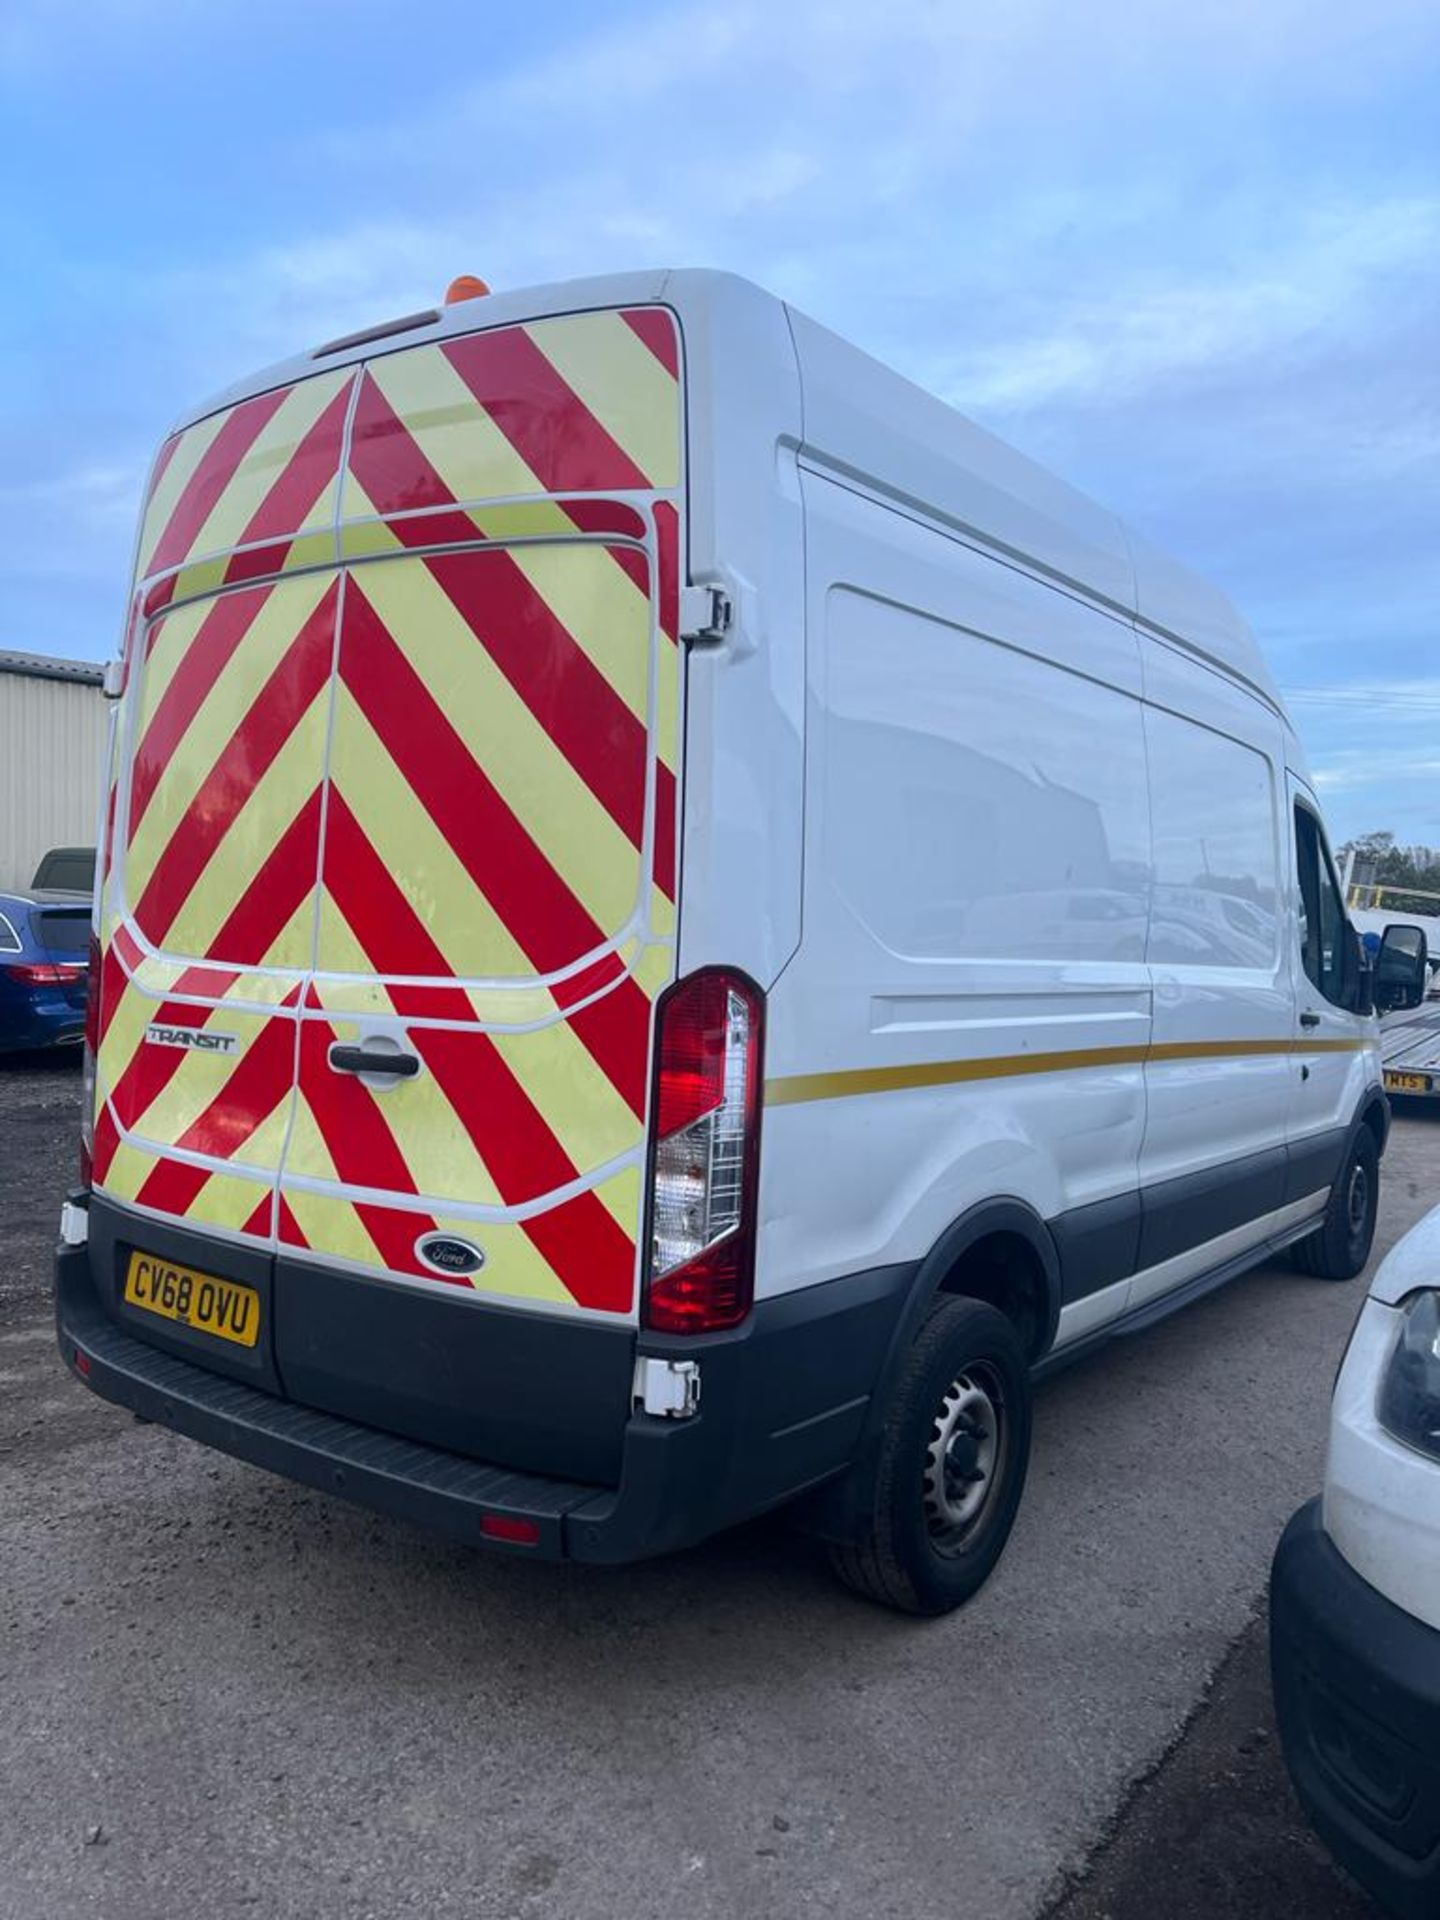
(959, 1253)
(976, 1255)
(962, 1261)
(1375, 1114)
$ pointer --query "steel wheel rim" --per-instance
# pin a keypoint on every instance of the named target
(1357, 1199)
(965, 1457)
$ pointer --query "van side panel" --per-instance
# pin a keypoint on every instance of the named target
(1048, 933)
(976, 854)
(1218, 1078)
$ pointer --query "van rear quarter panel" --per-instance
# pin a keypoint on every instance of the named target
(976, 850)
(742, 847)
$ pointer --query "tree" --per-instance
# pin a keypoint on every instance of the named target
(1380, 863)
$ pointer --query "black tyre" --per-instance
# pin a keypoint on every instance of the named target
(952, 1464)
(1340, 1245)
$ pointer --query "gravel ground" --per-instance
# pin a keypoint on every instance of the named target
(224, 1694)
(39, 1159)
(1217, 1830)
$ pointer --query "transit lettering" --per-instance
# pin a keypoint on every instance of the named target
(191, 1039)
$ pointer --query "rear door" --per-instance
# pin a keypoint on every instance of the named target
(212, 837)
(403, 778)
(208, 918)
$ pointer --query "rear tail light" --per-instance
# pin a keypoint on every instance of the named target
(706, 1155)
(87, 1078)
(44, 973)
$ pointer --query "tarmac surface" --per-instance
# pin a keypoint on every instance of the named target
(224, 1695)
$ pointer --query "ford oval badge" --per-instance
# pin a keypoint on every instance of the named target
(444, 1253)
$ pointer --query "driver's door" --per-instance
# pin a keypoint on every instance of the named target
(1329, 1059)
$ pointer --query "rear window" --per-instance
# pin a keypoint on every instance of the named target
(62, 933)
(68, 870)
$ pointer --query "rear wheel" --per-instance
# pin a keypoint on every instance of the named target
(1340, 1245)
(953, 1458)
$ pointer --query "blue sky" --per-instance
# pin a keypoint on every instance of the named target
(1187, 254)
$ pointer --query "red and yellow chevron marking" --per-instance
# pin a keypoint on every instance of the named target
(591, 1237)
(585, 404)
(226, 775)
(251, 491)
(437, 788)
(171, 1122)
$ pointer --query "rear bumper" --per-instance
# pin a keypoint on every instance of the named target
(1428, 1089)
(44, 1019)
(1357, 1693)
(783, 1405)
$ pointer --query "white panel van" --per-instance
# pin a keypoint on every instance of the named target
(675, 921)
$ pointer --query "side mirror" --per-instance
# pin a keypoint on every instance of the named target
(1401, 968)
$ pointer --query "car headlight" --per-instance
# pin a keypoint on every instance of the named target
(1410, 1393)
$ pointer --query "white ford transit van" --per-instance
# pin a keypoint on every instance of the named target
(675, 920)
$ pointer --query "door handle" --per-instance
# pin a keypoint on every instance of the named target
(1309, 1019)
(402, 1066)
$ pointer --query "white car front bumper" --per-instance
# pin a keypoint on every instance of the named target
(1382, 1498)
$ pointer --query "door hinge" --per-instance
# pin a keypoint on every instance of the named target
(706, 613)
(669, 1388)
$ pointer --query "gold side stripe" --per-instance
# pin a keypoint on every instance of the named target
(797, 1089)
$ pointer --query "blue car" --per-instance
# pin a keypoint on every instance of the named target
(44, 979)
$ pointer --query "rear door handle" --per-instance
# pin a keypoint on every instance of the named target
(402, 1066)
(1309, 1019)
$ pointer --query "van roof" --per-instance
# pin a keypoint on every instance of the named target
(869, 426)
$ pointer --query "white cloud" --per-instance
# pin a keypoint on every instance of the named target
(102, 492)
(1373, 754)
(1132, 237)
(1150, 330)
(39, 36)
(1355, 772)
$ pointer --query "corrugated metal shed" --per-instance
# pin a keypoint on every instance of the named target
(53, 721)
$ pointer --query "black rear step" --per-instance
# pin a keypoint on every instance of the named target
(433, 1488)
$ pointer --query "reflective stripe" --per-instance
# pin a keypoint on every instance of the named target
(796, 1089)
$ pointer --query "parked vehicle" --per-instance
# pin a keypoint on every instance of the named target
(667, 941)
(44, 971)
(1410, 1053)
(1355, 1598)
(67, 870)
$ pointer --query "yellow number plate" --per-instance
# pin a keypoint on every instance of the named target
(222, 1307)
(1408, 1082)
